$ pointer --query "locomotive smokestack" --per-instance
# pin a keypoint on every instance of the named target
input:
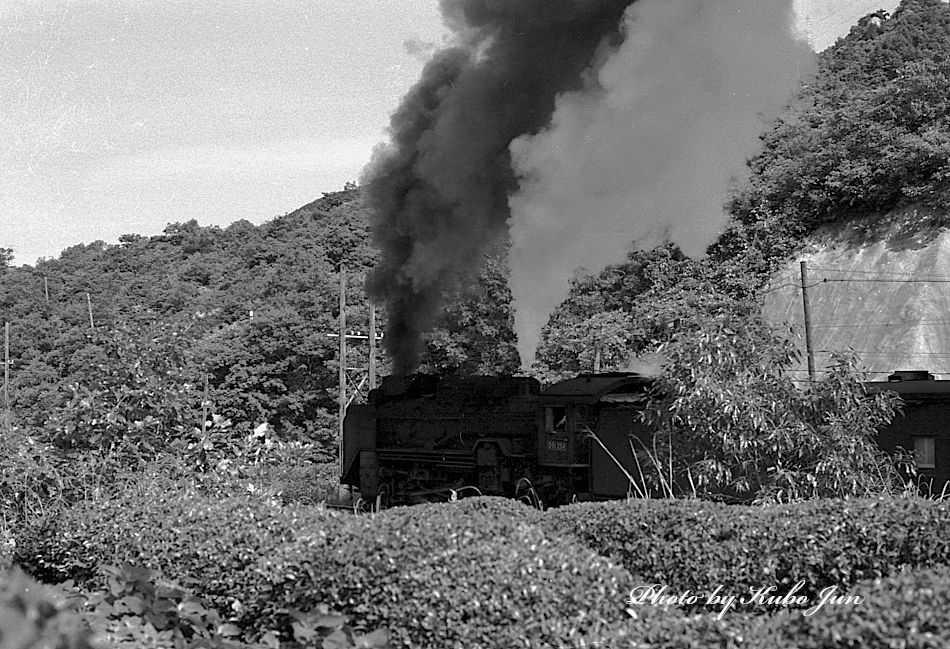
(438, 193)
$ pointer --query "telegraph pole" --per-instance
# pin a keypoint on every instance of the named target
(6, 375)
(372, 346)
(92, 324)
(809, 350)
(343, 335)
(342, 375)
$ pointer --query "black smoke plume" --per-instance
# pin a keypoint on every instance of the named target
(439, 191)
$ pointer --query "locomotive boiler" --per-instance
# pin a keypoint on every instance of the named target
(425, 437)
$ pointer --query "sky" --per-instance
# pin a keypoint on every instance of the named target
(121, 116)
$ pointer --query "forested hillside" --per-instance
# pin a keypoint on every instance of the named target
(246, 308)
(869, 134)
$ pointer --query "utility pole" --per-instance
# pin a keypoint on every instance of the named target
(6, 375)
(46, 288)
(809, 350)
(92, 325)
(372, 346)
(205, 404)
(342, 377)
(343, 335)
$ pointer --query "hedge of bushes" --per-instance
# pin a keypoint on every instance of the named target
(910, 610)
(488, 572)
(212, 545)
(476, 573)
(699, 545)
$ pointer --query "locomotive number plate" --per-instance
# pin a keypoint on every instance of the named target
(556, 445)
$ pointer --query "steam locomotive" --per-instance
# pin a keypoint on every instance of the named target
(425, 437)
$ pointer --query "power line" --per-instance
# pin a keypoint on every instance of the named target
(835, 325)
(796, 285)
(859, 280)
(888, 281)
(878, 353)
(881, 272)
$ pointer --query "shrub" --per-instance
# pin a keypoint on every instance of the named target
(33, 616)
(210, 544)
(910, 610)
(700, 545)
(139, 609)
(474, 573)
(306, 483)
(736, 427)
(906, 611)
(674, 629)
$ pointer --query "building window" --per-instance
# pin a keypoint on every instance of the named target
(924, 452)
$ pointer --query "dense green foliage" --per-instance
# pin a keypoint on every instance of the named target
(870, 133)
(907, 611)
(203, 320)
(733, 425)
(699, 545)
(139, 609)
(476, 573)
(178, 531)
(480, 572)
(630, 308)
(34, 617)
(488, 572)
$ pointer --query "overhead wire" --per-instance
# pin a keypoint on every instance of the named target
(873, 277)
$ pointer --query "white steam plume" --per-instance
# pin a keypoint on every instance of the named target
(648, 149)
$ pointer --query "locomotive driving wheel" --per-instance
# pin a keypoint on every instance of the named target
(525, 492)
(384, 496)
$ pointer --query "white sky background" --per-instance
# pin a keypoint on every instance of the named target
(120, 116)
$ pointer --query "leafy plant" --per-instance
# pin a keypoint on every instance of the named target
(141, 389)
(477, 572)
(137, 608)
(738, 428)
(33, 616)
(700, 545)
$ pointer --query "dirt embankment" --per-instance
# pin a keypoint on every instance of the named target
(879, 286)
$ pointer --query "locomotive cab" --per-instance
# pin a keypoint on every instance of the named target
(587, 426)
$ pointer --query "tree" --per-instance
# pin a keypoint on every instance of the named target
(476, 335)
(628, 309)
(739, 429)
